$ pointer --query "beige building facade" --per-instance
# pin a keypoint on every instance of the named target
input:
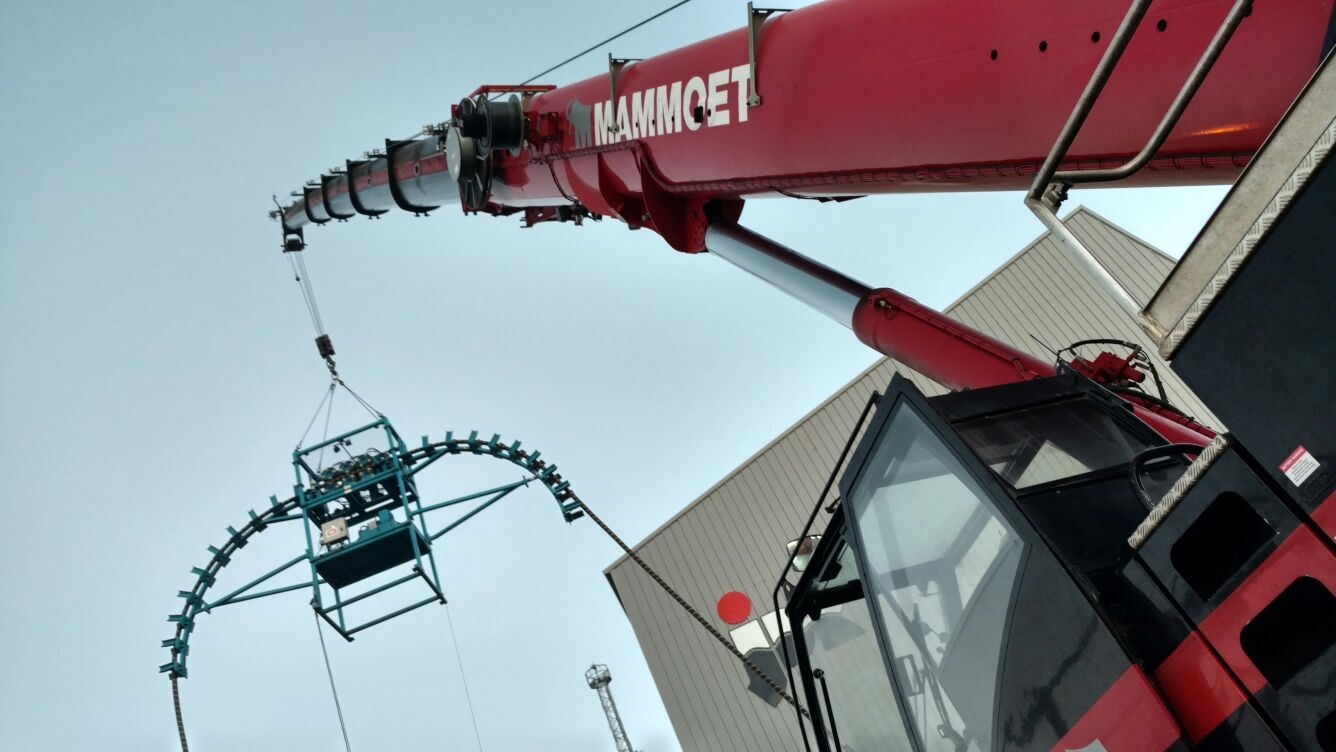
(732, 538)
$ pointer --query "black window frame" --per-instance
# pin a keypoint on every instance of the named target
(941, 414)
(1067, 385)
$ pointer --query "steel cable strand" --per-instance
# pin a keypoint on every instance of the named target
(1180, 489)
(333, 384)
(463, 676)
(719, 636)
(310, 311)
(180, 723)
(366, 405)
(257, 523)
(502, 451)
(308, 290)
(612, 38)
(329, 669)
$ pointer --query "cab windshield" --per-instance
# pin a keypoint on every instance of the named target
(1035, 446)
(840, 639)
(939, 567)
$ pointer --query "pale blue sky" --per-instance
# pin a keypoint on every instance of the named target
(156, 366)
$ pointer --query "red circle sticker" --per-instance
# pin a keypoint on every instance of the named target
(734, 607)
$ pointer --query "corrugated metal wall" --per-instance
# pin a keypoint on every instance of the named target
(732, 537)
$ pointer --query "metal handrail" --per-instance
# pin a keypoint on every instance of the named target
(1050, 185)
(1226, 31)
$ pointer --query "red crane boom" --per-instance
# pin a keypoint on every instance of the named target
(845, 98)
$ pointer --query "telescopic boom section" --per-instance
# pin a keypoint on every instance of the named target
(410, 175)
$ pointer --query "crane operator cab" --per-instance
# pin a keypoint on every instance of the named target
(974, 590)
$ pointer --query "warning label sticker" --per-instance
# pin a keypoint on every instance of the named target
(1299, 465)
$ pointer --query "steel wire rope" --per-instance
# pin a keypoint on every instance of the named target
(297, 277)
(329, 412)
(612, 38)
(308, 289)
(298, 266)
(303, 277)
(258, 523)
(180, 722)
(459, 660)
(367, 405)
(715, 633)
(333, 689)
(329, 394)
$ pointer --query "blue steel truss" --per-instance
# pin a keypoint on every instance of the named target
(368, 488)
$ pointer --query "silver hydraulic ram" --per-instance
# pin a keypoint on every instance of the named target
(897, 326)
(798, 276)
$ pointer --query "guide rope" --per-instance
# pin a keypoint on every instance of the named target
(180, 723)
(333, 689)
(459, 659)
(715, 633)
(614, 37)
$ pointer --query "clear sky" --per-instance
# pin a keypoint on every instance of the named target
(156, 366)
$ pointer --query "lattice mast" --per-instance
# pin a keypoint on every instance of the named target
(599, 677)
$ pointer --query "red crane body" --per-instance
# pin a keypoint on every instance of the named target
(865, 97)
(860, 96)
(852, 97)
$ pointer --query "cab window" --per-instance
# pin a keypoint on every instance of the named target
(1035, 446)
(841, 643)
(940, 566)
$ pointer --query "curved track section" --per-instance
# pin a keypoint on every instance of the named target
(286, 510)
(543, 471)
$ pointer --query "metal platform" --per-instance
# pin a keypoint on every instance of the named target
(387, 546)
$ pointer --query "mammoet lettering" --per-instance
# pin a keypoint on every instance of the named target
(663, 110)
(579, 115)
(642, 114)
(669, 100)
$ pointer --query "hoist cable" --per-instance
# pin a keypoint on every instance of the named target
(715, 633)
(299, 276)
(309, 290)
(614, 37)
(333, 689)
(306, 299)
(180, 723)
(303, 277)
(459, 659)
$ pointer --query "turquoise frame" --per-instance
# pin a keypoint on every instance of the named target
(406, 464)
